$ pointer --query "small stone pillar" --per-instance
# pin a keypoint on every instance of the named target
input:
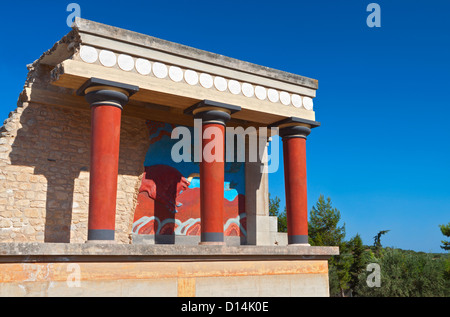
(107, 100)
(214, 116)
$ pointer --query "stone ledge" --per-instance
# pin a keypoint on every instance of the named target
(60, 252)
(83, 26)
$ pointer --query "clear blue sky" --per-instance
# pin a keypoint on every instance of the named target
(382, 153)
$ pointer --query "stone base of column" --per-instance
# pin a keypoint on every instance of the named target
(101, 234)
(298, 239)
(212, 238)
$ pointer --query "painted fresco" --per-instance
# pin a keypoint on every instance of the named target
(169, 195)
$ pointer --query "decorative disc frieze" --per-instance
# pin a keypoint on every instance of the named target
(145, 67)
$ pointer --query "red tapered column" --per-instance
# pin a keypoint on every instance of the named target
(293, 132)
(105, 139)
(214, 116)
(294, 152)
(212, 176)
(107, 100)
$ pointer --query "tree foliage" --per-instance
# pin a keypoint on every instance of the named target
(407, 274)
(445, 229)
(323, 225)
(403, 273)
(377, 238)
(274, 210)
(324, 230)
(359, 261)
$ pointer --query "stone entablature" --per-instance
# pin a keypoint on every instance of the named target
(177, 76)
(155, 68)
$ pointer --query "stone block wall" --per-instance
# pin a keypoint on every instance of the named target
(44, 174)
(90, 269)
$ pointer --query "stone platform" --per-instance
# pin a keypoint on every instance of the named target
(47, 269)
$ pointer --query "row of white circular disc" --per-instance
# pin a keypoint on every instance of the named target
(144, 67)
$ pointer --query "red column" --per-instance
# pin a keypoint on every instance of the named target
(212, 185)
(294, 132)
(214, 116)
(107, 100)
(294, 152)
(105, 140)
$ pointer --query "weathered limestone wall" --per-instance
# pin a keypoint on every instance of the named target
(167, 279)
(89, 269)
(44, 174)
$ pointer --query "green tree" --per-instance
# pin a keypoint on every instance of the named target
(377, 238)
(274, 206)
(324, 230)
(359, 261)
(377, 247)
(407, 274)
(341, 267)
(445, 229)
(274, 210)
(282, 221)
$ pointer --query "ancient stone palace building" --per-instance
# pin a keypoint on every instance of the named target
(137, 166)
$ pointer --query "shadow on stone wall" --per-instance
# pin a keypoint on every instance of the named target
(42, 143)
(56, 142)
